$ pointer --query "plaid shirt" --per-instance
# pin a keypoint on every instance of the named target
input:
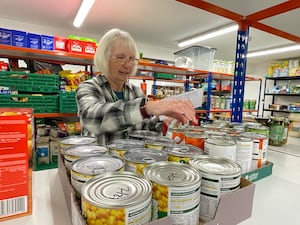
(107, 118)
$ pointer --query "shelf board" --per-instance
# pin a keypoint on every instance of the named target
(282, 111)
(283, 78)
(221, 110)
(48, 115)
(61, 57)
(283, 94)
(161, 79)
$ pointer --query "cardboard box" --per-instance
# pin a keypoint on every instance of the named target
(19, 38)
(47, 42)
(16, 146)
(34, 41)
(260, 173)
(60, 43)
(233, 207)
(75, 46)
(89, 48)
(6, 36)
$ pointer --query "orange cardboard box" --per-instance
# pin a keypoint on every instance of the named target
(16, 138)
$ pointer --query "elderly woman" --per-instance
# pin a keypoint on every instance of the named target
(109, 106)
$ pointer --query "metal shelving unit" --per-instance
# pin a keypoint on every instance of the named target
(274, 95)
(7, 51)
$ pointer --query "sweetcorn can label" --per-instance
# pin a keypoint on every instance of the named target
(117, 198)
(175, 192)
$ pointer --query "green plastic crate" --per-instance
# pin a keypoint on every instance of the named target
(67, 102)
(30, 82)
(40, 104)
(163, 75)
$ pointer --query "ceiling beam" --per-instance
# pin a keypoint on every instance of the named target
(274, 10)
(213, 9)
(252, 19)
(275, 31)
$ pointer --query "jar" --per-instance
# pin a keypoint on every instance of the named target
(277, 126)
(286, 129)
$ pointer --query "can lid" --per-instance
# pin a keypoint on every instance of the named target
(126, 144)
(142, 134)
(93, 165)
(172, 174)
(215, 165)
(85, 150)
(117, 190)
(76, 140)
(145, 155)
(186, 150)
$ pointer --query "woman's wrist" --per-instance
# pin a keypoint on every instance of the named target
(144, 112)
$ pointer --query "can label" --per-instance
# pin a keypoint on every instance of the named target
(175, 201)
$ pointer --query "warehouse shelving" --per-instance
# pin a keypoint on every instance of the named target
(273, 95)
(60, 57)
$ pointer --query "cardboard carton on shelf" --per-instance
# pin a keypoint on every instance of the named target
(16, 145)
(233, 207)
(259, 173)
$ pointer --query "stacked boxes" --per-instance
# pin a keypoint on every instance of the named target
(16, 145)
(72, 44)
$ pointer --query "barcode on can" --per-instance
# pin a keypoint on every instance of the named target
(13, 206)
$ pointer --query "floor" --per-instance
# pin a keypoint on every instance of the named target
(276, 198)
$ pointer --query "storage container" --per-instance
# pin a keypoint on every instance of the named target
(19, 38)
(34, 41)
(201, 56)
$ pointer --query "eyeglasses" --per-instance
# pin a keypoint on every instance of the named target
(122, 59)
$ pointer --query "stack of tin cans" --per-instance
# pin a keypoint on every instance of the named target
(148, 176)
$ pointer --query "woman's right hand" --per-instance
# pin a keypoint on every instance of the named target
(179, 109)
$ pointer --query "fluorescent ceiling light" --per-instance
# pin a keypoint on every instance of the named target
(218, 32)
(273, 51)
(84, 9)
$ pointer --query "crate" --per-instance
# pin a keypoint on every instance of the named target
(163, 75)
(30, 82)
(40, 104)
(67, 102)
(201, 56)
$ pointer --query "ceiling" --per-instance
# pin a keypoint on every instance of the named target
(157, 22)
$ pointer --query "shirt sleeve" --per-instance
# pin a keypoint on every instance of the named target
(99, 113)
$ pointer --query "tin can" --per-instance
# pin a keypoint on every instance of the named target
(117, 198)
(142, 134)
(220, 147)
(136, 160)
(219, 176)
(244, 151)
(259, 129)
(88, 167)
(158, 142)
(177, 134)
(120, 146)
(75, 152)
(260, 147)
(175, 192)
(75, 140)
(182, 153)
(213, 133)
(195, 138)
